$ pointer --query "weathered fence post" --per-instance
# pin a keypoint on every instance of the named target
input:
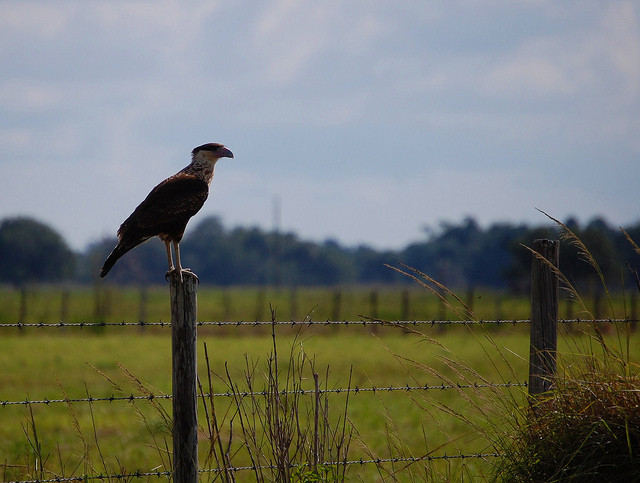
(184, 368)
(544, 316)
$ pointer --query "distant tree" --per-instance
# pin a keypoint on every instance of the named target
(147, 263)
(460, 255)
(607, 246)
(31, 251)
(492, 259)
(629, 258)
(343, 265)
(326, 264)
(371, 266)
(256, 257)
(517, 273)
(599, 239)
(208, 249)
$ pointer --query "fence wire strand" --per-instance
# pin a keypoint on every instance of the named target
(302, 392)
(233, 469)
(306, 323)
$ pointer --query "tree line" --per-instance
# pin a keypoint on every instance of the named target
(458, 255)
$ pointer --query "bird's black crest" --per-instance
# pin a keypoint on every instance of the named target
(207, 147)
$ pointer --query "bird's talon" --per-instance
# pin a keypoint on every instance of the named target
(170, 272)
(188, 270)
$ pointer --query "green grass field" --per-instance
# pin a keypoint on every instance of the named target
(115, 304)
(47, 365)
(122, 436)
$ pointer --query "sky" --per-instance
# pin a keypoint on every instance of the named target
(361, 121)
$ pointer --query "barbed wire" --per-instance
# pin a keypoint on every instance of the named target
(61, 324)
(89, 399)
(361, 461)
(233, 469)
(596, 321)
(365, 322)
(243, 394)
(306, 323)
(136, 474)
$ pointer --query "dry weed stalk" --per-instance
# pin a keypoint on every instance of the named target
(285, 431)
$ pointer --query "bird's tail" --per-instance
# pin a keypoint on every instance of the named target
(111, 260)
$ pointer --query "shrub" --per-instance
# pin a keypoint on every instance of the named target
(585, 430)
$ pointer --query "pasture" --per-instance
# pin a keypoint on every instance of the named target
(115, 304)
(102, 437)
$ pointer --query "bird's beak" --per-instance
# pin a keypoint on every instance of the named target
(225, 153)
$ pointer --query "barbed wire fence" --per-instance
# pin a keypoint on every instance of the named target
(361, 462)
(305, 323)
(542, 366)
(407, 388)
(242, 394)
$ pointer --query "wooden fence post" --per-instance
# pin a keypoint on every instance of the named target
(184, 370)
(544, 316)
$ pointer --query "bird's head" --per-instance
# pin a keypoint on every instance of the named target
(210, 153)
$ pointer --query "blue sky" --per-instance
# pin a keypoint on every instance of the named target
(366, 120)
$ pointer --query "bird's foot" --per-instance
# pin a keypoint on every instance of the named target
(180, 272)
(172, 271)
(188, 271)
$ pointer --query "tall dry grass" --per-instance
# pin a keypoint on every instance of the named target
(587, 428)
(286, 432)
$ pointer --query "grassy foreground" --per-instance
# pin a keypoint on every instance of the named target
(128, 436)
(48, 440)
(40, 441)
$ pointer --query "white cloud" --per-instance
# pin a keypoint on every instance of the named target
(29, 95)
(288, 35)
(378, 112)
(34, 19)
(15, 139)
(292, 35)
(538, 78)
(575, 62)
(619, 42)
(168, 27)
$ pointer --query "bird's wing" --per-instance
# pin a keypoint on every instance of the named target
(178, 197)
